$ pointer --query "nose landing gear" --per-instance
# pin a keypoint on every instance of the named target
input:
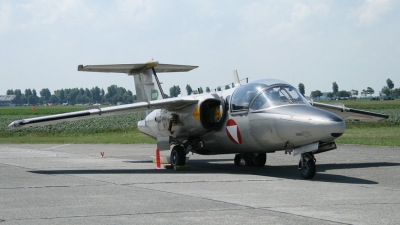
(307, 165)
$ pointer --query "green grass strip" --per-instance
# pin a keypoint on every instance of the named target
(379, 136)
(122, 137)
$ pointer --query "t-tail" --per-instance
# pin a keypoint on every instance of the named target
(148, 87)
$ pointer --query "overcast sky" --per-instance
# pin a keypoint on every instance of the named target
(355, 43)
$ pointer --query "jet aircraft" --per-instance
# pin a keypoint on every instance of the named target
(249, 120)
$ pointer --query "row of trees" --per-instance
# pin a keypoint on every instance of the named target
(117, 94)
(114, 95)
(387, 90)
(174, 91)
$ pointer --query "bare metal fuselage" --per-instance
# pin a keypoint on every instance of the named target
(277, 128)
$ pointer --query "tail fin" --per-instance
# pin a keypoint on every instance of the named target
(147, 85)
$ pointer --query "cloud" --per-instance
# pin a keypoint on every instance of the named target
(281, 19)
(136, 11)
(300, 12)
(372, 9)
(5, 13)
(35, 13)
(74, 13)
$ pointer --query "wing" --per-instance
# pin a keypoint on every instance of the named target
(349, 113)
(136, 68)
(95, 111)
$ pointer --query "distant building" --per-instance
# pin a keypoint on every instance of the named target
(7, 100)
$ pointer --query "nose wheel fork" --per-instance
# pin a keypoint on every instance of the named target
(307, 166)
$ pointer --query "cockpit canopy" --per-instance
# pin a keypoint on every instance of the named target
(262, 94)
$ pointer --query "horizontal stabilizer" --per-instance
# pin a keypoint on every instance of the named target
(133, 69)
(170, 104)
(351, 114)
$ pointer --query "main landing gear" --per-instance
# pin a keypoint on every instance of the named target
(251, 159)
(178, 156)
(307, 165)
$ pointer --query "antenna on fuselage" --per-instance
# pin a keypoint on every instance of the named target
(236, 81)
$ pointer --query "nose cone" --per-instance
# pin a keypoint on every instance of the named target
(335, 128)
(334, 125)
(318, 124)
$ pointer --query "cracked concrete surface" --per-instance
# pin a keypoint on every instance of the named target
(64, 184)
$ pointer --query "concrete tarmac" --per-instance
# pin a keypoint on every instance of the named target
(73, 184)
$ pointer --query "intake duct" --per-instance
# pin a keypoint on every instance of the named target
(210, 113)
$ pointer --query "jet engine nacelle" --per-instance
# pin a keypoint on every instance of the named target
(191, 121)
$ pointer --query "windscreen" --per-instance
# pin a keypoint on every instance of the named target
(277, 95)
(244, 95)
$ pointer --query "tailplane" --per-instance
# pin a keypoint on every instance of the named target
(148, 88)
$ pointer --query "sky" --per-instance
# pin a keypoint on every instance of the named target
(354, 43)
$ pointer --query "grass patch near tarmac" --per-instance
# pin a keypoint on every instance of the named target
(380, 136)
(113, 137)
(382, 133)
(118, 129)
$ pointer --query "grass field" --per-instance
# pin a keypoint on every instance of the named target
(112, 137)
(103, 130)
(383, 133)
(122, 128)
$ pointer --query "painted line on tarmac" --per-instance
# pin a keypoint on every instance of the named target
(55, 147)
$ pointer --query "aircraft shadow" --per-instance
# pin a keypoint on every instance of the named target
(204, 167)
(205, 160)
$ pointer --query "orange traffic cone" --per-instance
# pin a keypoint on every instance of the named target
(158, 159)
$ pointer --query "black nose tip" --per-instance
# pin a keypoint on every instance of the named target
(336, 135)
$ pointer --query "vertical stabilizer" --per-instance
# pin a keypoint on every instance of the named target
(148, 87)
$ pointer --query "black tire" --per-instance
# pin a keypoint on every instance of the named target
(178, 156)
(308, 170)
(237, 159)
(255, 159)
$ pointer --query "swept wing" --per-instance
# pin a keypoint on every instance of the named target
(349, 113)
(170, 104)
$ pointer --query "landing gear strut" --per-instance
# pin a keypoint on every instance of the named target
(307, 165)
(251, 159)
(237, 159)
(178, 156)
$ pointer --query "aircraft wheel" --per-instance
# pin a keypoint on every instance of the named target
(178, 156)
(307, 170)
(255, 159)
(237, 159)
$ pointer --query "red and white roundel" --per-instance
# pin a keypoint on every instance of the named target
(233, 132)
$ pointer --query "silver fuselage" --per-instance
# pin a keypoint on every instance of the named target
(262, 130)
